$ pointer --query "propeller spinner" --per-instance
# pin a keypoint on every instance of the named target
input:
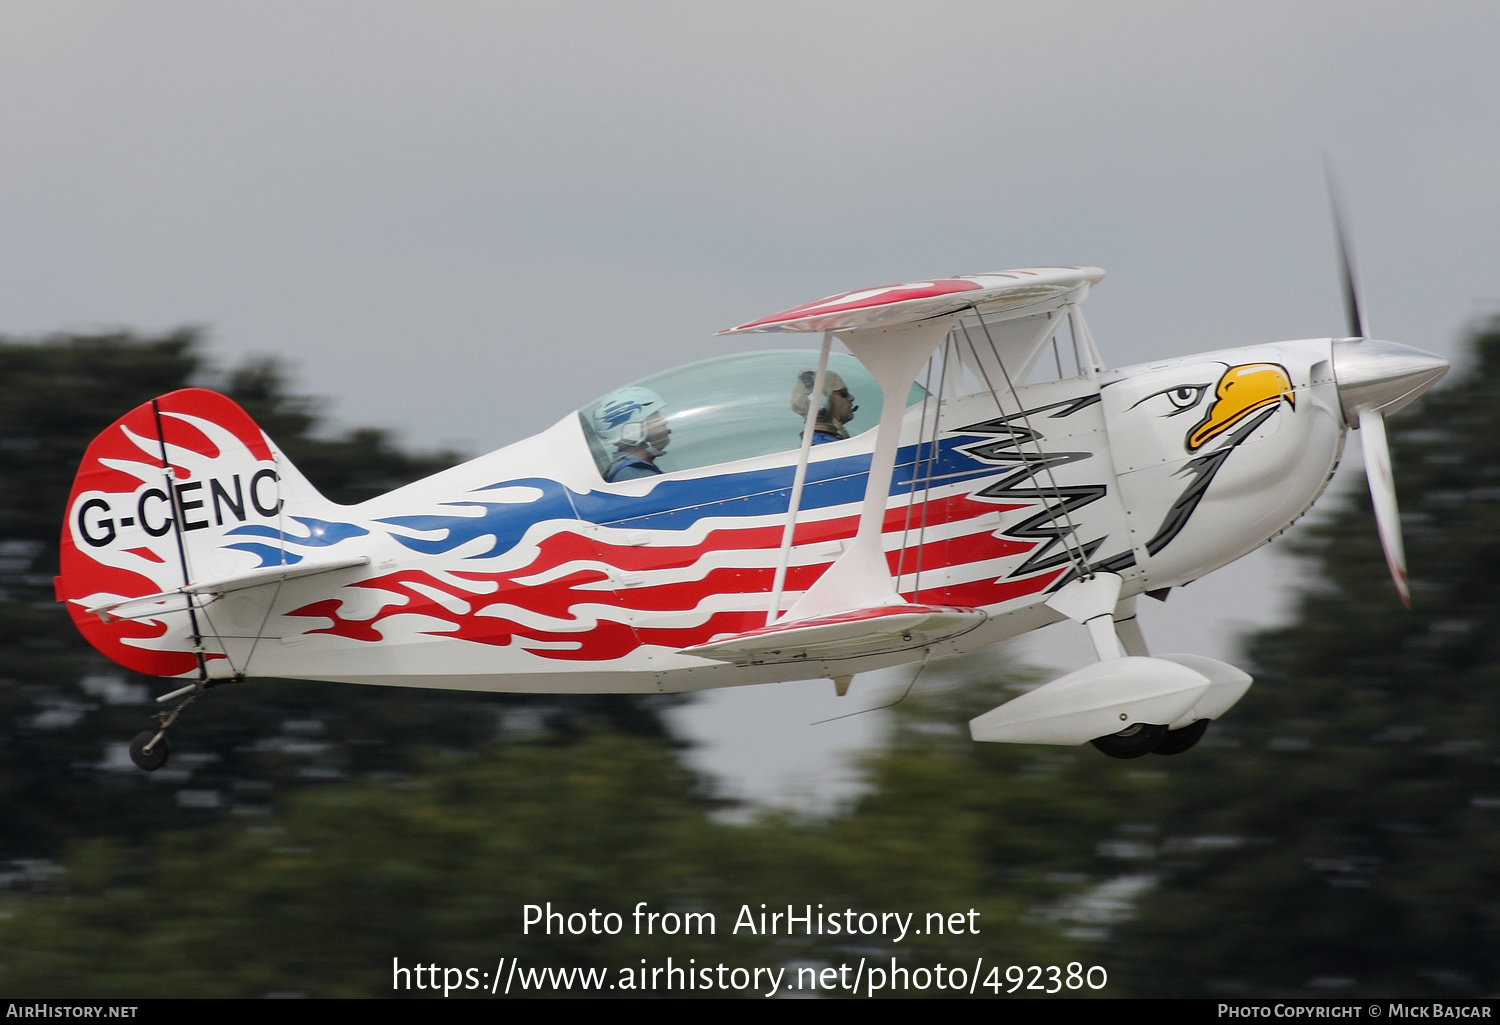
(1375, 378)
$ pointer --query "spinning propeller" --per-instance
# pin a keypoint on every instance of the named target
(1375, 378)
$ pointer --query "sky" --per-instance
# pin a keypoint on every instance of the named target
(462, 221)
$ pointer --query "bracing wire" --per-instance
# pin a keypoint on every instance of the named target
(930, 470)
(911, 495)
(1067, 529)
(923, 468)
(921, 667)
(260, 631)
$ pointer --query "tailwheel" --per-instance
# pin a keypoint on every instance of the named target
(1132, 741)
(150, 750)
(1178, 741)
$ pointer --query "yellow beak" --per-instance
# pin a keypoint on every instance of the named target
(1241, 391)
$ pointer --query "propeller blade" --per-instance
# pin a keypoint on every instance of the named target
(1383, 495)
(1353, 316)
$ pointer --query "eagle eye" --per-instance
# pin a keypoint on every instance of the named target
(1182, 397)
(1186, 397)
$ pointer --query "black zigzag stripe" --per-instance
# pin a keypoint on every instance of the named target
(1010, 432)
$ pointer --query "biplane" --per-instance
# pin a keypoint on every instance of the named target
(963, 468)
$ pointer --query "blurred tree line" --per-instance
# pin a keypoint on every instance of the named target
(1332, 836)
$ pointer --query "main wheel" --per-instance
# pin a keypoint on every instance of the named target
(1178, 741)
(1132, 741)
(151, 760)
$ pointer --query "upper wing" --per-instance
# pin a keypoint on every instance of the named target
(1000, 295)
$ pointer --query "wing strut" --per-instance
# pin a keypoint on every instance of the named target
(813, 404)
(854, 609)
(861, 577)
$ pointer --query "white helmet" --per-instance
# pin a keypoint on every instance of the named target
(620, 417)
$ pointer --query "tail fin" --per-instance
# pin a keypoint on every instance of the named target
(181, 490)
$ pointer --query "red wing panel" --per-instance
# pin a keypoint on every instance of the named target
(827, 310)
(1034, 288)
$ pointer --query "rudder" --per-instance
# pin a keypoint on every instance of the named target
(183, 489)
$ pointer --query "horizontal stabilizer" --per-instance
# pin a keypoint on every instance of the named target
(873, 631)
(1095, 701)
(177, 599)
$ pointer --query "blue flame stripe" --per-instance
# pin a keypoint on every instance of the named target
(679, 504)
(320, 533)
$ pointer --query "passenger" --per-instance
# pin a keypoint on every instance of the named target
(836, 410)
(631, 428)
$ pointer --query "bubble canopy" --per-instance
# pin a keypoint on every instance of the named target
(727, 408)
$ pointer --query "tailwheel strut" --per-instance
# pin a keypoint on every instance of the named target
(149, 749)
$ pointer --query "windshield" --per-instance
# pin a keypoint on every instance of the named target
(728, 408)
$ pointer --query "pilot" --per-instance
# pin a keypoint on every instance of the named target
(836, 409)
(632, 429)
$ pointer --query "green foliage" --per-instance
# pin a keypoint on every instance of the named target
(321, 894)
(55, 396)
(320, 897)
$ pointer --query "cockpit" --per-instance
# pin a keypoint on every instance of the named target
(728, 408)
